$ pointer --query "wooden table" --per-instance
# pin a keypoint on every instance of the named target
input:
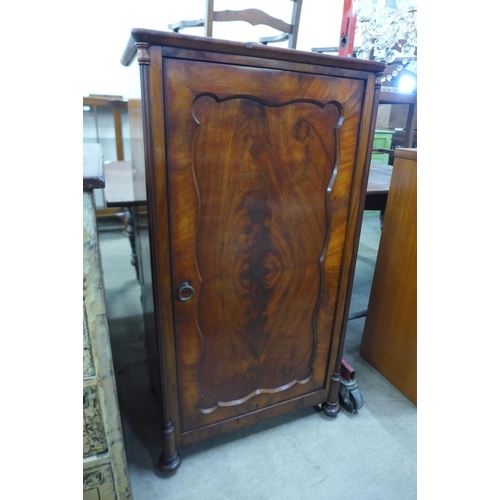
(377, 190)
(119, 192)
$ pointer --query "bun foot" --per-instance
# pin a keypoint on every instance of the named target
(331, 409)
(171, 464)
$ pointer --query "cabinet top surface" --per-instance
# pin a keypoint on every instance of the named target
(175, 40)
(406, 153)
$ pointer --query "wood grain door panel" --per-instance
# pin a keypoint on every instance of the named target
(259, 186)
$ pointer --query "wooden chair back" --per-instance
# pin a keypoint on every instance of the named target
(288, 31)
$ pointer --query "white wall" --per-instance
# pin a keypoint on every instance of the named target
(108, 31)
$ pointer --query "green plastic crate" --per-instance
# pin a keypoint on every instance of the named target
(382, 139)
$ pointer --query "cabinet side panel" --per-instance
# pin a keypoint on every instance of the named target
(141, 224)
(389, 340)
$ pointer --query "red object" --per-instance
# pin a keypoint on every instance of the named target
(347, 372)
(346, 44)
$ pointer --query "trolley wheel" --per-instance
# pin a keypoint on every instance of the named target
(355, 401)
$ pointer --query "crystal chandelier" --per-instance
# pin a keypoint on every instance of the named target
(388, 31)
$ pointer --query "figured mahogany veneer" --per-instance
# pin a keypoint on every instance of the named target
(255, 165)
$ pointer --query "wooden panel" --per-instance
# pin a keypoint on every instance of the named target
(94, 436)
(260, 171)
(102, 433)
(88, 359)
(390, 335)
(253, 275)
(98, 483)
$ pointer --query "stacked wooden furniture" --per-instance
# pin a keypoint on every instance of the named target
(254, 162)
(389, 340)
(105, 473)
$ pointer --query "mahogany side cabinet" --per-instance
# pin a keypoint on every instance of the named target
(253, 162)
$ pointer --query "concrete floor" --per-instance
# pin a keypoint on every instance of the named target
(371, 455)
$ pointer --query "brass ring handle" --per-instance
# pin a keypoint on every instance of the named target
(185, 292)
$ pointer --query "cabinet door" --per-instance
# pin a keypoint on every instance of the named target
(260, 169)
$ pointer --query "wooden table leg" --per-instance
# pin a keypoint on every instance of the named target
(129, 217)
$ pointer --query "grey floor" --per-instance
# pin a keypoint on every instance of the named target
(371, 455)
